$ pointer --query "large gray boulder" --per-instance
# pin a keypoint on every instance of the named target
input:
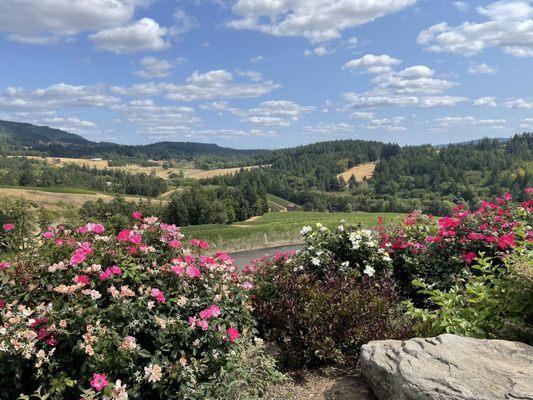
(448, 367)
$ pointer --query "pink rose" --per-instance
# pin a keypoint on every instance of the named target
(83, 279)
(8, 227)
(99, 381)
(233, 334)
(193, 272)
(137, 215)
(48, 235)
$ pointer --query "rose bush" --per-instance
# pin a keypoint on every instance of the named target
(137, 315)
(437, 250)
(320, 305)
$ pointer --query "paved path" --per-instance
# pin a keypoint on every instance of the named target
(244, 257)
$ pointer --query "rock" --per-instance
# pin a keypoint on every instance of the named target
(448, 367)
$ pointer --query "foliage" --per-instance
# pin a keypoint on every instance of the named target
(15, 224)
(137, 315)
(278, 227)
(493, 302)
(116, 213)
(437, 250)
(219, 205)
(428, 178)
(322, 304)
(20, 171)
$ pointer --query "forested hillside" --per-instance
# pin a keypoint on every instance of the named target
(20, 171)
(406, 178)
(27, 139)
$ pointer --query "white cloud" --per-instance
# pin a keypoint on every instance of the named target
(184, 22)
(482, 69)
(376, 99)
(267, 121)
(155, 67)
(487, 101)
(153, 117)
(461, 6)
(46, 21)
(468, 121)
(413, 86)
(221, 84)
(142, 35)
(415, 79)
(509, 26)
(258, 59)
(319, 51)
(316, 20)
(519, 103)
(362, 115)
(386, 124)
(211, 85)
(373, 64)
(323, 128)
(58, 95)
(352, 42)
(277, 113)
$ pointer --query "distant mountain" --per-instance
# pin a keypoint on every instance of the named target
(32, 139)
(18, 134)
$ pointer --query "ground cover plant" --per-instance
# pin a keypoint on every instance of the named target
(137, 315)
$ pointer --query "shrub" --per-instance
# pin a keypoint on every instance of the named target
(136, 315)
(322, 304)
(15, 226)
(495, 302)
(437, 251)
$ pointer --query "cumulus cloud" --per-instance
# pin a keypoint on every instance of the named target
(487, 101)
(316, 20)
(519, 103)
(508, 25)
(46, 21)
(323, 128)
(386, 124)
(362, 115)
(184, 22)
(211, 85)
(143, 35)
(461, 6)
(469, 121)
(281, 113)
(220, 84)
(156, 68)
(415, 79)
(373, 64)
(482, 68)
(319, 51)
(412, 86)
(55, 96)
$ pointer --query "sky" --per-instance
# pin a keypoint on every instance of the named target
(269, 73)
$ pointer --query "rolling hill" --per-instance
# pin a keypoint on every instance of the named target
(24, 138)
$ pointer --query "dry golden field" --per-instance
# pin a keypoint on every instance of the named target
(192, 173)
(360, 171)
(56, 201)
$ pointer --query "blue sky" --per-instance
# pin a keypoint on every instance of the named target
(269, 73)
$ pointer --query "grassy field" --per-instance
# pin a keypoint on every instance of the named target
(276, 228)
(164, 173)
(280, 204)
(360, 171)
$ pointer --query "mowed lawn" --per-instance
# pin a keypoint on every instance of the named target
(277, 228)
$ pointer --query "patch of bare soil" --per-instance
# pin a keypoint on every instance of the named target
(324, 384)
